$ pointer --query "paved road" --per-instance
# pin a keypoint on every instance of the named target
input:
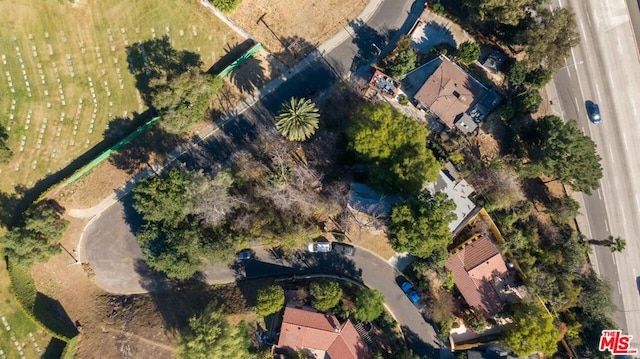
(116, 259)
(605, 69)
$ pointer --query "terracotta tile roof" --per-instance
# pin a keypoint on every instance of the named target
(306, 329)
(473, 268)
(449, 92)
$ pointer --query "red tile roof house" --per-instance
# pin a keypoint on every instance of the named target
(320, 333)
(475, 265)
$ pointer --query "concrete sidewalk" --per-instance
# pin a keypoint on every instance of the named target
(245, 104)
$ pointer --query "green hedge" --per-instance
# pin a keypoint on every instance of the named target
(26, 295)
(226, 6)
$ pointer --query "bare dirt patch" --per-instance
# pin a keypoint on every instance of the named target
(373, 239)
(300, 25)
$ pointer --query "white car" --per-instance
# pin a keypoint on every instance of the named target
(319, 247)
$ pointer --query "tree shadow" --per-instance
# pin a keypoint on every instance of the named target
(54, 348)
(232, 53)
(156, 59)
(369, 42)
(419, 347)
(8, 201)
(151, 146)
(250, 76)
(53, 315)
(296, 48)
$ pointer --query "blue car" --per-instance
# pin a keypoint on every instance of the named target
(408, 289)
(593, 111)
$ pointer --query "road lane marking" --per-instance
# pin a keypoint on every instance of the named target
(614, 258)
(611, 154)
(606, 225)
(566, 66)
(588, 18)
(575, 99)
(624, 138)
(559, 3)
(619, 288)
(637, 201)
(584, 33)
(583, 131)
(600, 195)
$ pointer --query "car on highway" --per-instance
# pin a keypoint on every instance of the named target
(593, 111)
(319, 247)
(344, 249)
(408, 289)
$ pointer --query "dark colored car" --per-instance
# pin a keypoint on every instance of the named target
(344, 249)
(593, 111)
(408, 289)
(245, 254)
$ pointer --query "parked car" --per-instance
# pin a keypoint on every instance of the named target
(593, 111)
(408, 289)
(245, 254)
(344, 249)
(319, 247)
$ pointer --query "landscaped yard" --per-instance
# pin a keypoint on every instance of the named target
(64, 73)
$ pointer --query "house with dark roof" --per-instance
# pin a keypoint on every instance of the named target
(450, 92)
(321, 334)
(480, 273)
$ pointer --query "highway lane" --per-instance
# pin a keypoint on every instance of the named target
(605, 68)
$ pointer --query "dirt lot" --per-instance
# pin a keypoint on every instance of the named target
(296, 24)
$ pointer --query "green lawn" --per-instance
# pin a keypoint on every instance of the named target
(68, 52)
(20, 326)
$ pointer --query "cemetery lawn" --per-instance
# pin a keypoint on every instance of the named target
(54, 55)
(20, 325)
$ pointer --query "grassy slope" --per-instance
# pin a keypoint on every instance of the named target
(96, 26)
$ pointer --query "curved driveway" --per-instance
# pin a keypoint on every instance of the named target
(116, 259)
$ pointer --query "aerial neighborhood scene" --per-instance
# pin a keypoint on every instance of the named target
(376, 179)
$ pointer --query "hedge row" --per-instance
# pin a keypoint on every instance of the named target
(25, 292)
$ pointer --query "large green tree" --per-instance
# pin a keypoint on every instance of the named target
(508, 12)
(185, 99)
(596, 297)
(163, 198)
(468, 52)
(420, 225)
(369, 304)
(38, 237)
(270, 300)
(175, 251)
(549, 37)
(297, 119)
(402, 59)
(210, 336)
(564, 153)
(395, 147)
(325, 296)
(532, 331)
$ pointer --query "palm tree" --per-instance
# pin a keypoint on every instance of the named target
(298, 119)
(616, 245)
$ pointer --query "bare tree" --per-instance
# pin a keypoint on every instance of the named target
(500, 185)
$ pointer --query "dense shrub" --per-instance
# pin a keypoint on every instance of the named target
(226, 6)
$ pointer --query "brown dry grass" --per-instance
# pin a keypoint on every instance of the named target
(373, 240)
(311, 21)
(89, 190)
